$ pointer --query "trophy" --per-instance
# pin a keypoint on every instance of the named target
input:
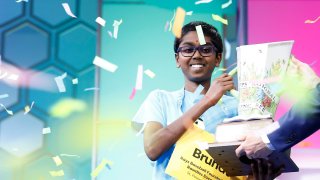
(260, 70)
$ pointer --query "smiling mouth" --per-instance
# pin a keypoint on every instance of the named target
(197, 65)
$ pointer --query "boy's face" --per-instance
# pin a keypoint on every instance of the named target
(197, 68)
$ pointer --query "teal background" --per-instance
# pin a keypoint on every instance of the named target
(39, 36)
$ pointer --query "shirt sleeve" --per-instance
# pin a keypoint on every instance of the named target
(151, 110)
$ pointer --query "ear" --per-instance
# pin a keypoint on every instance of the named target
(177, 59)
(218, 59)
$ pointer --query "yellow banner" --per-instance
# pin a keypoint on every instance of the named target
(190, 161)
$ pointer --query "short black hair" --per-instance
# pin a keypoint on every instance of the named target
(208, 30)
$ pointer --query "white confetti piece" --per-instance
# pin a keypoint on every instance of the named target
(57, 160)
(203, 145)
(141, 130)
(21, 1)
(116, 25)
(225, 5)
(13, 77)
(3, 75)
(104, 64)
(101, 21)
(92, 89)
(56, 173)
(66, 7)
(46, 130)
(139, 77)
(200, 35)
(8, 111)
(189, 13)
(228, 48)
(110, 34)
(202, 2)
(312, 21)
(70, 155)
(75, 81)
(27, 109)
(59, 82)
(171, 21)
(99, 168)
(149, 73)
(2, 96)
(166, 26)
(220, 19)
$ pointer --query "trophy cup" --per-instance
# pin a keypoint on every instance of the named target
(260, 70)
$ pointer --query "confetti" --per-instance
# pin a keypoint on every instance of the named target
(166, 26)
(233, 71)
(8, 111)
(312, 21)
(110, 34)
(3, 75)
(203, 145)
(171, 21)
(227, 4)
(13, 77)
(149, 73)
(92, 89)
(133, 93)
(68, 10)
(27, 109)
(228, 49)
(116, 25)
(142, 129)
(178, 22)
(75, 81)
(200, 35)
(189, 13)
(202, 2)
(101, 21)
(104, 64)
(139, 78)
(56, 173)
(220, 19)
(2, 96)
(46, 130)
(57, 160)
(21, 1)
(59, 82)
(70, 155)
(99, 168)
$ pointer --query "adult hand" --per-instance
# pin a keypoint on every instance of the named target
(218, 87)
(262, 169)
(253, 146)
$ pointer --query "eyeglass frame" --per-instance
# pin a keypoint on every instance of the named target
(197, 48)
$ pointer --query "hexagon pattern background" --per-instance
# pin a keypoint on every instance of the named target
(39, 42)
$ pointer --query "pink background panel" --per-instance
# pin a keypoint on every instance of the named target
(279, 20)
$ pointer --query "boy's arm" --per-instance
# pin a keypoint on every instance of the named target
(158, 139)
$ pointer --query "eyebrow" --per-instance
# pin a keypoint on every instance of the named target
(193, 44)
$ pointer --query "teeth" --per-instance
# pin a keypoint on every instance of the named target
(197, 65)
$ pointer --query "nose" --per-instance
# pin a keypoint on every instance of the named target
(197, 54)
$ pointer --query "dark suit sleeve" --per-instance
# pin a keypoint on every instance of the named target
(302, 120)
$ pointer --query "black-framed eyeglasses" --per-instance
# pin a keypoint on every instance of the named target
(204, 50)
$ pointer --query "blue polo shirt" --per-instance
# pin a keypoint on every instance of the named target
(165, 107)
